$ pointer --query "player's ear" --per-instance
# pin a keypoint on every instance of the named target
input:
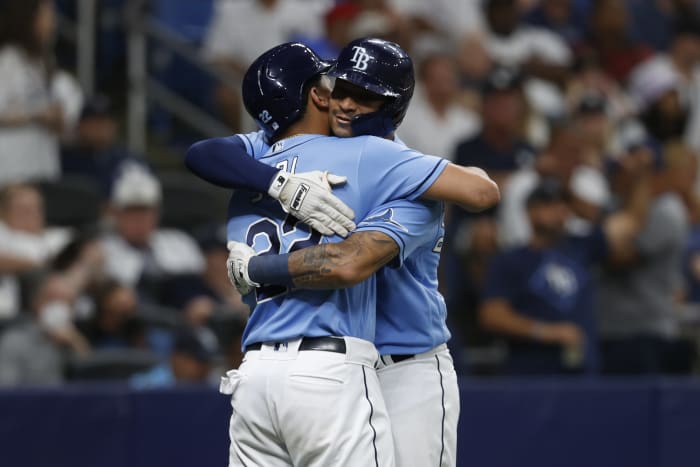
(320, 97)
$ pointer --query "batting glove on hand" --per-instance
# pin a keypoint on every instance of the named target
(307, 196)
(237, 267)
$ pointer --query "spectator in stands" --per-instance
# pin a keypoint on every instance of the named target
(379, 18)
(26, 244)
(538, 52)
(591, 118)
(436, 122)
(560, 158)
(114, 324)
(95, 153)
(338, 21)
(588, 78)
(683, 58)
(234, 38)
(590, 198)
(610, 42)
(453, 20)
(539, 297)
(653, 21)
(30, 118)
(638, 303)
(499, 148)
(543, 56)
(200, 296)
(189, 363)
(213, 245)
(32, 351)
(561, 17)
(139, 253)
(656, 88)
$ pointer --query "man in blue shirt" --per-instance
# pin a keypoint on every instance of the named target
(540, 297)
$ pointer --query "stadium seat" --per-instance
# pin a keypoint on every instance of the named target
(72, 201)
(160, 316)
(110, 364)
(189, 203)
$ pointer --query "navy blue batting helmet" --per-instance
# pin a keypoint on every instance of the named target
(273, 86)
(381, 67)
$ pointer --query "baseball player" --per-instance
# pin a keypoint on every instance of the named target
(307, 393)
(411, 328)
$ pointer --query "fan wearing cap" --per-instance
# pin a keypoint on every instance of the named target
(675, 69)
(95, 153)
(190, 362)
(499, 147)
(138, 252)
(656, 88)
(539, 297)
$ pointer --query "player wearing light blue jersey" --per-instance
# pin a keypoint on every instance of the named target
(284, 391)
(411, 313)
(379, 172)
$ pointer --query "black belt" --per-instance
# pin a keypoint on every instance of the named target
(401, 358)
(325, 344)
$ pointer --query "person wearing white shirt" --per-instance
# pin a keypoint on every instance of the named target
(541, 54)
(25, 243)
(137, 250)
(31, 118)
(240, 30)
(435, 122)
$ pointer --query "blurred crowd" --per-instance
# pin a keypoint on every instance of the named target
(585, 112)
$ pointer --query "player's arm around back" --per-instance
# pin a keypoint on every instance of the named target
(344, 264)
(324, 266)
(469, 187)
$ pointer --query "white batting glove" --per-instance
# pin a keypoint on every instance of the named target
(237, 267)
(307, 196)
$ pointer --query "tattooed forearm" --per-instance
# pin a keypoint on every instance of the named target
(344, 264)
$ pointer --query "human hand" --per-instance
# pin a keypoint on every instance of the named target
(307, 196)
(565, 334)
(237, 267)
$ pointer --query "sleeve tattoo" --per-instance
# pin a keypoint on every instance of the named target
(337, 265)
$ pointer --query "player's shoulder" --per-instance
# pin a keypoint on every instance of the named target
(374, 144)
(255, 143)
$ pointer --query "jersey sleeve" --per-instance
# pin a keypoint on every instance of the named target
(227, 162)
(395, 172)
(407, 223)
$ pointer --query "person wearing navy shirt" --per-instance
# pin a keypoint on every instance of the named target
(540, 297)
(499, 147)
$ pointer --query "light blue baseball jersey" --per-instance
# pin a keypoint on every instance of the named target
(378, 171)
(411, 313)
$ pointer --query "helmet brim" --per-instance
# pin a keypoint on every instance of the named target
(363, 80)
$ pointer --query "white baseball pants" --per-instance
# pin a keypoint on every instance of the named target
(422, 398)
(308, 408)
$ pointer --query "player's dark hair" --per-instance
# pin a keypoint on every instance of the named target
(17, 19)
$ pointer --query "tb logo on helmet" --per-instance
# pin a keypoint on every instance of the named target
(360, 58)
